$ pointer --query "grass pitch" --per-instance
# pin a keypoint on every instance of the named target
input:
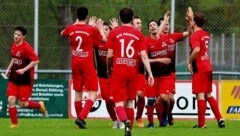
(103, 127)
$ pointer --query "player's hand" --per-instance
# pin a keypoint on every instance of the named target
(20, 71)
(92, 21)
(7, 73)
(167, 16)
(99, 23)
(189, 14)
(164, 60)
(150, 80)
(190, 68)
(109, 72)
(113, 23)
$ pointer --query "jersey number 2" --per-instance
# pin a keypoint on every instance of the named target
(79, 40)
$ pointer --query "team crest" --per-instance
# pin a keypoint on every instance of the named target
(18, 54)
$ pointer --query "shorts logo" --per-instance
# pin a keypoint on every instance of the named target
(236, 92)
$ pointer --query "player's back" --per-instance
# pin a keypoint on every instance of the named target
(126, 43)
(81, 38)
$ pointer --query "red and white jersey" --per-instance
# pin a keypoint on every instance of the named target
(158, 49)
(172, 39)
(82, 37)
(22, 55)
(101, 51)
(126, 43)
(201, 39)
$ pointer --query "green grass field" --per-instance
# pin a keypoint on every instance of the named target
(102, 127)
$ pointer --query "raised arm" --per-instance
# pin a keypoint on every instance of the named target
(161, 27)
(99, 25)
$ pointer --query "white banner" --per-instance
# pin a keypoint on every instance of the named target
(185, 103)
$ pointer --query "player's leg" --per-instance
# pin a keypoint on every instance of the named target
(12, 93)
(171, 99)
(131, 92)
(150, 93)
(214, 106)
(150, 109)
(164, 101)
(212, 101)
(77, 80)
(201, 104)
(12, 110)
(104, 84)
(140, 107)
(140, 103)
(25, 93)
(163, 91)
(171, 105)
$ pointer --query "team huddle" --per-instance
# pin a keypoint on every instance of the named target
(129, 66)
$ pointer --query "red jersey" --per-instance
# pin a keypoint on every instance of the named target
(202, 63)
(126, 43)
(22, 55)
(172, 39)
(82, 37)
(158, 49)
(101, 51)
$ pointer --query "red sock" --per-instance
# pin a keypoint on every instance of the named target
(201, 112)
(159, 110)
(214, 106)
(130, 115)
(121, 113)
(13, 115)
(78, 107)
(140, 106)
(33, 105)
(111, 110)
(150, 110)
(86, 109)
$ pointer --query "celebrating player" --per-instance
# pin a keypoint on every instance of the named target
(21, 72)
(172, 39)
(104, 80)
(140, 103)
(201, 69)
(81, 38)
(124, 44)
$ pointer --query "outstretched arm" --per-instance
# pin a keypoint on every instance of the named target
(161, 27)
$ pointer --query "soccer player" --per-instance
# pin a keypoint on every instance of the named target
(124, 43)
(21, 76)
(140, 103)
(151, 92)
(82, 37)
(172, 39)
(201, 69)
(104, 80)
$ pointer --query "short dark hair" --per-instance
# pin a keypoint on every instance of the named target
(159, 21)
(150, 22)
(136, 17)
(21, 29)
(107, 24)
(82, 13)
(126, 15)
(199, 19)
